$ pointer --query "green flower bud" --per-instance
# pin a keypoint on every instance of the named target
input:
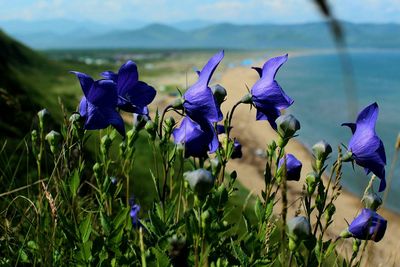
(151, 129)
(311, 181)
(356, 245)
(139, 121)
(321, 152)
(105, 144)
(97, 169)
(247, 99)
(330, 210)
(372, 200)
(219, 93)
(169, 124)
(75, 118)
(287, 126)
(34, 136)
(42, 115)
(299, 229)
(201, 181)
(215, 165)
(53, 138)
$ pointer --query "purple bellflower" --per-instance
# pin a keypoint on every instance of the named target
(369, 225)
(293, 167)
(196, 139)
(199, 102)
(237, 150)
(134, 213)
(267, 95)
(365, 146)
(98, 106)
(133, 95)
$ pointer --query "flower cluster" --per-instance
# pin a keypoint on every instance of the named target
(121, 90)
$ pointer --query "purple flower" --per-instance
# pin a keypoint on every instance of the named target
(366, 147)
(237, 150)
(293, 167)
(99, 103)
(200, 104)
(133, 95)
(267, 96)
(369, 225)
(134, 213)
(197, 139)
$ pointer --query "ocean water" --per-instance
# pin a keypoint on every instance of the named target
(316, 83)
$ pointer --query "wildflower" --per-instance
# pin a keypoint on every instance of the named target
(365, 147)
(133, 95)
(99, 103)
(196, 139)
(267, 95)
(134, 213)
(293, 167)
(322, 150)
(201, 181)
(372, 200)
(369, 225)
(237, 150)
(219, 93)
(199, 102)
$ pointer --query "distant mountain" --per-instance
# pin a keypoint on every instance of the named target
(200, 34)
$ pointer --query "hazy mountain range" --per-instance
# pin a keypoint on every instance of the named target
(60, 34)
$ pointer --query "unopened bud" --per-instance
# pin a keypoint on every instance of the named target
(372, 200)
(287, 126)
(53, 138)
(219, 93)
(105, 144)
(299, 229)
(321, 152)
(311, 181)
(201, 181)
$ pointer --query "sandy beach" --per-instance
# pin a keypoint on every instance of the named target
(255, 135)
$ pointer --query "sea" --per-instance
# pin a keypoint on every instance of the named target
(330, 88)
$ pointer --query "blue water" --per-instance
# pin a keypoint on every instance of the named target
(316, 83)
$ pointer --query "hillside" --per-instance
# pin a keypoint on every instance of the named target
(222, 35)
(27, 81)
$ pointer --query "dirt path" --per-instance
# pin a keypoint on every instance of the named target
(254, 135)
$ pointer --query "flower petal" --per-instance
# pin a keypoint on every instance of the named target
(209, 68)
(85, 80)
(141, 94)
(110, 75)
(271, 94)
(103, 94)
(127, 78)
(200, 104)
(83, 106)
(272, 66)
(259, 70)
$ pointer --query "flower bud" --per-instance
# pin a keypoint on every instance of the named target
(247, 99)
(34, 136)
(372, 201)
(299, 229)
(105, 144)
(42, 115)
(330, 210)
(97, 169)
(293, 167)
(215, 165)
(53, 138)
(114, 180)
(219, 93)
(311, 181)
(75, 118)
(321, 152)
(151, 129)
(201, 181)
(178, 250)
(169, 124)
(287, 126)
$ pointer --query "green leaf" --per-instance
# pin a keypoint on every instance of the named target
(162, 258)
(258, 209)
(105, 223)
(74, 182)
(85, 228)
(121, 218)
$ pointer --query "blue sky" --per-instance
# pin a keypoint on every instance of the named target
(239, 11)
